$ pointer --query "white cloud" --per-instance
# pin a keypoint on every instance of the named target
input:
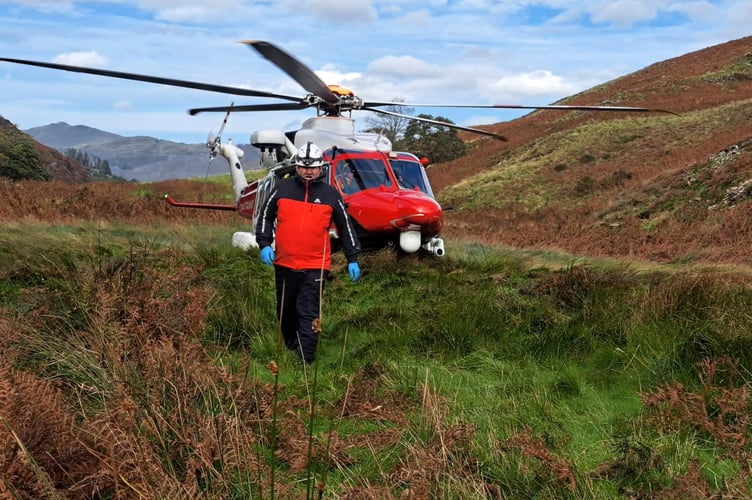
(342, 11)
(737, 14)
(54, 6)
(333, 76)
(196, 11)
(157, 5)
(190, 13)
(697, 10)
(625, 12)
(535, 83)
(123, 106)
(91, 58)
(335, 11)
(419, 19)
(404, 67)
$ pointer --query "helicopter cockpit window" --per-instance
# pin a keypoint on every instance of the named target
(356, 174)
(345, 178)
(411, 175)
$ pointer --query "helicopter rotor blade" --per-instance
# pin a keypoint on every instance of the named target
(281, 106)
(294, 68)
(564, 107)
(224, 122)
(437, 122)
(154, 79)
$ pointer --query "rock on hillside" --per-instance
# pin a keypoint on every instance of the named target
(57, 165)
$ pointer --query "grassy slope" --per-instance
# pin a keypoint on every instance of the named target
(620, 185)
(476, 375)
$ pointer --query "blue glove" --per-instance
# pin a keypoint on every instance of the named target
(267, 256)
(354, 269)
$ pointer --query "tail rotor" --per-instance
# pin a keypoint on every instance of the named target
(214, 143)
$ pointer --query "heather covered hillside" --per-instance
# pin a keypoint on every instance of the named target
(23, 157)
(651, 186)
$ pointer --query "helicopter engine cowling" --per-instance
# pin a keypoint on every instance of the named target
(339, 131)
(275, 147)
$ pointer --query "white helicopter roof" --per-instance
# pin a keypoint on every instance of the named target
(329, 131)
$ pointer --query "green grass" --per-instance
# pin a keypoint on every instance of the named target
(739, 70)
(494, 372)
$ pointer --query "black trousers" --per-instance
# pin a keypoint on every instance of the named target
(298, 306)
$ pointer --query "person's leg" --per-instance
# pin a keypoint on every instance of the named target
(287, 282)
(308, 306)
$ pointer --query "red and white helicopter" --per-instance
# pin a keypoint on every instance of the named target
(388, 194)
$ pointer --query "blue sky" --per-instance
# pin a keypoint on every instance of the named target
(433, 51)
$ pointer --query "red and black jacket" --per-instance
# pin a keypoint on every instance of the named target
(304, 212)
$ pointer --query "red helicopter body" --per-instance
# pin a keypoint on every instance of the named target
(387, 194)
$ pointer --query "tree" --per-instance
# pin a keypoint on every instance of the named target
(98, 167)
(18, 158)
(438, 143)
(393, 127)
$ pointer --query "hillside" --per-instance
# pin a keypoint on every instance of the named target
(649, 186)
(52, 163)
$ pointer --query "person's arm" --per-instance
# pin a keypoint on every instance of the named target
(265, 223)
(347, 236)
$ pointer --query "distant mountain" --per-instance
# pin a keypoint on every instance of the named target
(62, 136)
(140, 158)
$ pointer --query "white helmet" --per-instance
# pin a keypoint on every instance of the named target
(309, 156)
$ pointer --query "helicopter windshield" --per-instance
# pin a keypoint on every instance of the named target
(357, 174)
(410, 175)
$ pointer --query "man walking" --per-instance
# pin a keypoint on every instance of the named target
(304, 207)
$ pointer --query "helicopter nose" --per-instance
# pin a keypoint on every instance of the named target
(421, 212)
